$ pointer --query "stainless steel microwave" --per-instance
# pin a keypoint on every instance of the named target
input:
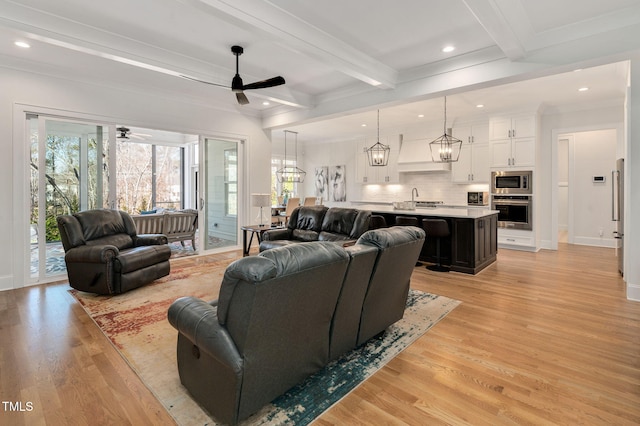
(512, 182)
(478, 198)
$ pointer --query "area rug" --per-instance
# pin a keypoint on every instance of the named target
(136, 323)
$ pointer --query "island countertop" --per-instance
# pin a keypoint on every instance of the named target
(468, 213)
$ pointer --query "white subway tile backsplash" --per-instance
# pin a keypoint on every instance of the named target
(430, 186)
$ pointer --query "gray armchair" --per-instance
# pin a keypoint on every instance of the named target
(104, 254)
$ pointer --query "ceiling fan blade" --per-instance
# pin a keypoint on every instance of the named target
(202, 81)
(242, 98)
(271, 82)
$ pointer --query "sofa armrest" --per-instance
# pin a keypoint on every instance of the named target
(150, 240)
(276, 234)
(197, 320)
(91, 254)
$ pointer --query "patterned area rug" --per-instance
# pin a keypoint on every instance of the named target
(136, 323)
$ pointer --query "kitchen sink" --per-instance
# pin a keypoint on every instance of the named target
(404, 205)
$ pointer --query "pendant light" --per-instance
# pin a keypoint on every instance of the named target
(446, 148)
(378, 154)
(292, 174)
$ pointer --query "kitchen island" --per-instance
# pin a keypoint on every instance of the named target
(473, 243)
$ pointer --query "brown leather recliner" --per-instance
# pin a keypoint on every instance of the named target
(104, 254)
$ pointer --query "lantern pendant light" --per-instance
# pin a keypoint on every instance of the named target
(378, 154)
(446, 148)
(290, 173)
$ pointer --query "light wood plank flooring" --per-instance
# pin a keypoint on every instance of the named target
(540, 338)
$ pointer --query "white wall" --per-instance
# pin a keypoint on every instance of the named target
(563, 184)
(632, 185)
(71, 98)
(593, 154)
(553, 124)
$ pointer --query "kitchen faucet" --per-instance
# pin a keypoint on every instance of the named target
(414, 191)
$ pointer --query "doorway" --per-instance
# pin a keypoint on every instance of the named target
(220, 188)
(69, 172)
(583, 187)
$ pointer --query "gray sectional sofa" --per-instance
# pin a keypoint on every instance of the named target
(284, 314)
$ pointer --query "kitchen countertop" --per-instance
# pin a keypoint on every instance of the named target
(458, 212)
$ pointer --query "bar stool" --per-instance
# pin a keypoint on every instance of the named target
(437, 228)
(406, 221)
(377, 221)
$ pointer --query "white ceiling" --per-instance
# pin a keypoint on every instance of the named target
(339, 58)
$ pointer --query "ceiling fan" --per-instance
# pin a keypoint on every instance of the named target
(237, 86)
(125, 133)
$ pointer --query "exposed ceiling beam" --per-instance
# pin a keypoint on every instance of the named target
(304, 38)
(491, 15)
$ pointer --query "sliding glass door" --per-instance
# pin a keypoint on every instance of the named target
(69, 172)
(219, 197)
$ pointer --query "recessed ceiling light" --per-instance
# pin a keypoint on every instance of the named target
(265, 103)
(583, 89)
(448, 49)
(420, 115)
(480, 106)
(22, 44)
(363, 125)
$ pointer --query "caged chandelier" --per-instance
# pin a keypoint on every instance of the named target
(290, 173)
(446, 148)
(378, 154)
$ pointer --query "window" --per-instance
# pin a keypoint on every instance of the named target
(149, 176)
(279, 189)
(231, 181)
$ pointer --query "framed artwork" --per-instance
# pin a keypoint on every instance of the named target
(322, 182)
(337, 183)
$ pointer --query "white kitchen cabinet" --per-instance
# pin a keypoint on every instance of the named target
(516, 239)
(377, 174)
(512, 141)
(473, 165)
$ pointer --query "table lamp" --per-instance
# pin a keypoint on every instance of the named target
(261, 200)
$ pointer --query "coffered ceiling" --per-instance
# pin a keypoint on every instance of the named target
(339, 58)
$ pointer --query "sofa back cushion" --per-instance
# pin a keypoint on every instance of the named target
(307, 218)
(278, 308)
(344, 223)
(103, 226)
(386, 298)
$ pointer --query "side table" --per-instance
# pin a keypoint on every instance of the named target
(253, 230)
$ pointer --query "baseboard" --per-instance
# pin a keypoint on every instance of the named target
(546, 244)
(596, 242)
(6, 282)
(633, 292)
(518, 247)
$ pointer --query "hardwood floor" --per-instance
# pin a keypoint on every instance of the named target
(540, 338)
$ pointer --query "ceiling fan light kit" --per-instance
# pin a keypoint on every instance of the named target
(293, 174)
(378, 153)
(446, 148)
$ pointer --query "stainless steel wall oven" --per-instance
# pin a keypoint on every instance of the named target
(514, 211)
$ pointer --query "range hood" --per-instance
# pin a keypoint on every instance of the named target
(415, 156)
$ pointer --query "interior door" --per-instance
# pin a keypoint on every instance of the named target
(69, 173)
(220, 192)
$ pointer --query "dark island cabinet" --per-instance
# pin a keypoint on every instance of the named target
(471, 247)
(474, 243)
